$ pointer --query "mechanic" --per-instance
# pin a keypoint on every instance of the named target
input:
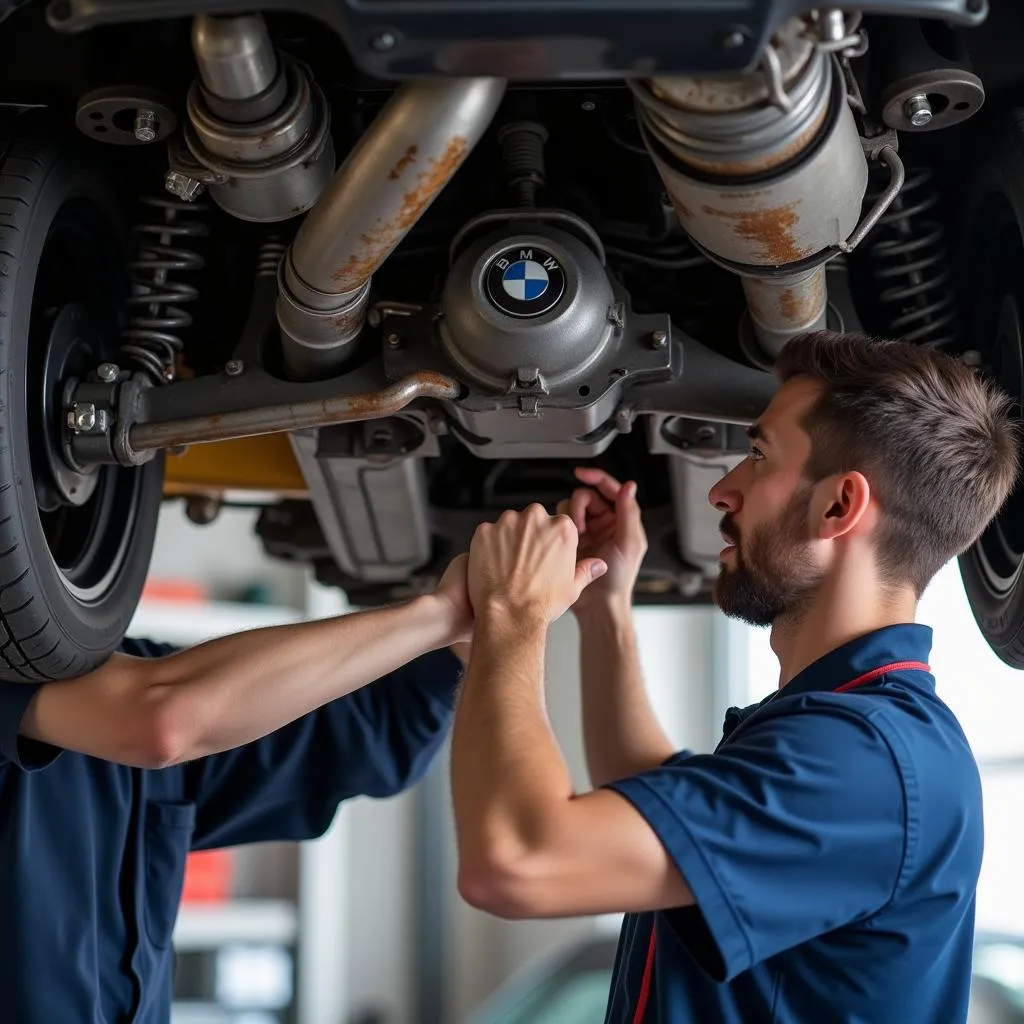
(108, 780)
(821, 864)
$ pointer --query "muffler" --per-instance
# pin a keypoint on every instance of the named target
(406, 157)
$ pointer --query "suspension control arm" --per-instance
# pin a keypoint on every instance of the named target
(135, 425)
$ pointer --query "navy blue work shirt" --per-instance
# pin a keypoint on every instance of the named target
(832, 844)
(92, 854)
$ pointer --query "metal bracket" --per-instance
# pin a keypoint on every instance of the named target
(884, 151)
(99, 414)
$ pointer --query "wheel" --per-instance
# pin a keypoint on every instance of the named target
(993, 568)
(74, 547)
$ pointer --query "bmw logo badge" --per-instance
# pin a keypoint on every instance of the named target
(524, 281)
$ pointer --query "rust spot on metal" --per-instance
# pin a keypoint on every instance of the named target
(685, 213)
(786, 305)
(770, 230)
(376, 245)
(406, 159)
(800, 306)
(433, 379)
(350, 319)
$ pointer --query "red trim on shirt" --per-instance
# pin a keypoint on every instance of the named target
(645, 985)
(867, 677)
(896, 666)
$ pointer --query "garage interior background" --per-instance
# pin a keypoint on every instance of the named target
(365, 925)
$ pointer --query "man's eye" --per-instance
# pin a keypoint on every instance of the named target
(755, 453)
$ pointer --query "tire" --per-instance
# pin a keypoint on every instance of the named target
(993, 277)
(71, 572)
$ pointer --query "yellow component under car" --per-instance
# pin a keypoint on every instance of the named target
(249, 464)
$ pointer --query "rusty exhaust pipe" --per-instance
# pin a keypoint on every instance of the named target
(406, 157)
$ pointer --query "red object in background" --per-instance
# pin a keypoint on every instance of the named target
(185, 591)
(208, 876)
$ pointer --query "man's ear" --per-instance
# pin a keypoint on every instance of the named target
(845, 504)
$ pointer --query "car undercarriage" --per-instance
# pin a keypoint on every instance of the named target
(386, 269)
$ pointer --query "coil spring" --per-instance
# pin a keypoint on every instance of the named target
(522, 154)
(269, 257)
(912, 268)
(150, 341)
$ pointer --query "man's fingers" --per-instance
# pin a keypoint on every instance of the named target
(605, 484)
(626, 505)
(578, 508)
(588, 570)
(585, 504)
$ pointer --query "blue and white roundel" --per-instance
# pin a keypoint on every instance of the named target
(525, 280)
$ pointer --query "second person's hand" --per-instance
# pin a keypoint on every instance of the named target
(453, 595)
(523, 569)
(607, 517)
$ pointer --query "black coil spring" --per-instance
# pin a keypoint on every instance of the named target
(269, 257)
(522, 155)
(911, 266)
(151, 341)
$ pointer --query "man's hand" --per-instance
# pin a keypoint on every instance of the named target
(524, 569)
(453, 591)
(607, 517)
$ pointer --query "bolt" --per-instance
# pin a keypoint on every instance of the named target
(183, 186)
(383, 41)
(659, 339)
(918, 110)
(588, 106)
(732, 38)
(394, 341)
(234, 367)
(147, 125)
(108, 372)
(82, 416)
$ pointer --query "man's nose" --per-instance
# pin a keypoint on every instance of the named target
(725, 495)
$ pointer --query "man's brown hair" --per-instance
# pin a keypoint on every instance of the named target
(937, 442)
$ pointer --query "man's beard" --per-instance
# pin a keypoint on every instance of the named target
(775, 579)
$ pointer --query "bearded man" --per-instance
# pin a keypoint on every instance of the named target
(821, 864)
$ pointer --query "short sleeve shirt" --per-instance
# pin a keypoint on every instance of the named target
(832, 843)
(92, 854)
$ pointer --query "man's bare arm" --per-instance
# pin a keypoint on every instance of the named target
(528, 846)
(229, 691)
(621, 732)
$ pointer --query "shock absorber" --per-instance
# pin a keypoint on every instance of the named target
(151, 342)
(910, 265)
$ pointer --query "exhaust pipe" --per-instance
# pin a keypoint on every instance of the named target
(410, 152)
